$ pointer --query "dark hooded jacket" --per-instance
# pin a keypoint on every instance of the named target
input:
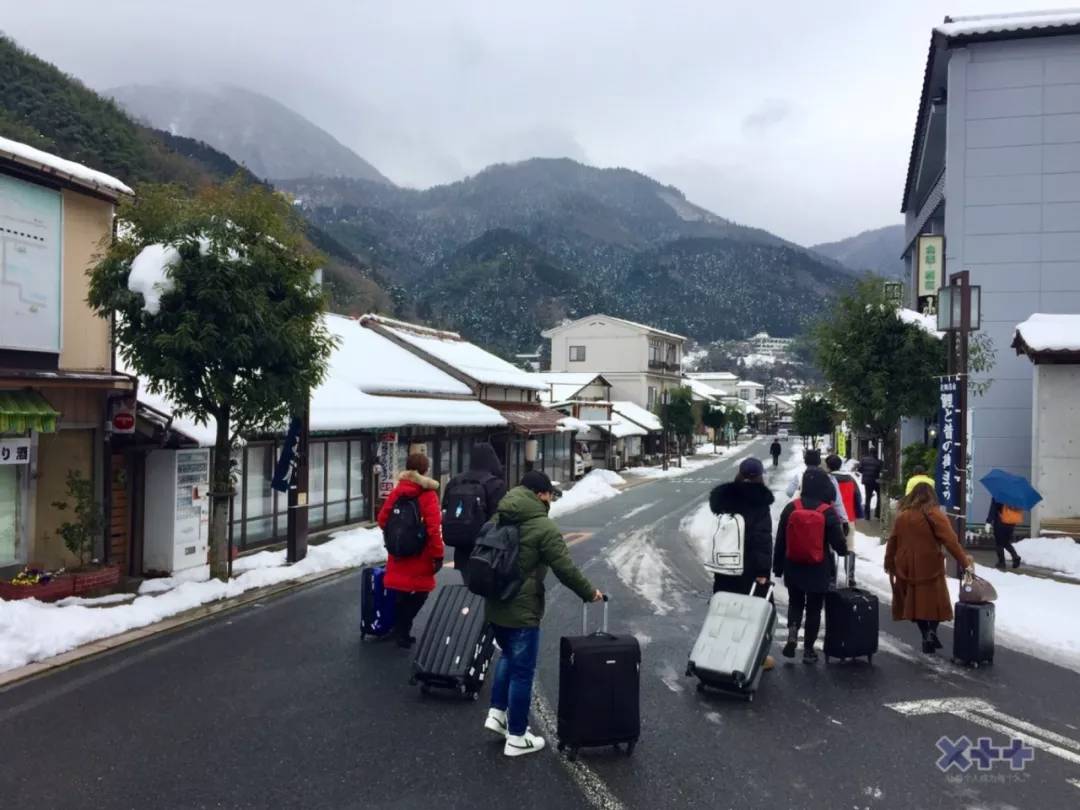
(817, 488)
(752, 501)
(484, 466)
(870, 468)
(775, 449)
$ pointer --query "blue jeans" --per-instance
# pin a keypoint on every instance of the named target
(511, 688)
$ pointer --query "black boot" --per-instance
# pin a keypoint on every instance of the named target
(1016, 561)
(792, 641)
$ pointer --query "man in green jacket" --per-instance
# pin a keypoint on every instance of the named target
(517, 621)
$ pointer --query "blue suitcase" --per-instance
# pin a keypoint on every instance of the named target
(376, 604)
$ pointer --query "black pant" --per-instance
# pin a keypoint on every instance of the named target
(1003, 537)
(775, 461)
(406, 606)
(926, 627)
(461, 559)
(871, 487)
(812, 603)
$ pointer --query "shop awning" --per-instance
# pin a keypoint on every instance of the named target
(26, 410)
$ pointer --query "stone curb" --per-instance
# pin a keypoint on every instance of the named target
(177, 622)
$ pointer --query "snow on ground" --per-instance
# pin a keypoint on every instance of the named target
(752, 360)
(690, 464)
(31, 630)
(1059, 554)
(643, 568)
(597, 486)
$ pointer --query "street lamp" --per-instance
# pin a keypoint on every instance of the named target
(959, 312)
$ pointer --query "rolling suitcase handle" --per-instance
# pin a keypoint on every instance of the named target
(585, 617)
(753, 587)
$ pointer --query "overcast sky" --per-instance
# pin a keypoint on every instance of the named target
(793, 116)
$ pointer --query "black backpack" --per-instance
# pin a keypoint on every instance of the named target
(464, 511)
(405, 535)
(492, 570)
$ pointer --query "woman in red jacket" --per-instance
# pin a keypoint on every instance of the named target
(413, 578)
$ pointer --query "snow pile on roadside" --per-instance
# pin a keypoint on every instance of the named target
(690, 464)
(1059, 554)
(31, 630)
(1027, 607)
(700, 526)
(597, 486)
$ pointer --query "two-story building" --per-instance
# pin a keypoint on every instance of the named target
(639, 361)
(994, 180)
(57, 379)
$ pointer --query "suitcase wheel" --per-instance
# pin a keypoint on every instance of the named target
(363, 635)
(870, 659)
(463, 690)
(630, 746)
(750, 697)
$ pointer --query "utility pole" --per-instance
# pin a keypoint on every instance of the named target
(297, 519)
(664, 424)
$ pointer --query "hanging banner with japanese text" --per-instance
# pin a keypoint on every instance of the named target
(386, 456)
(15, 451)
(950, 454)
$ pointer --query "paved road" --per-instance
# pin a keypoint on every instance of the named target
(280, 705)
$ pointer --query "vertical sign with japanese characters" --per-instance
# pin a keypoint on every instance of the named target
(387, 461)
(15, 451)
(950, 454)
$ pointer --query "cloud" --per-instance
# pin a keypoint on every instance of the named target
(768, 115)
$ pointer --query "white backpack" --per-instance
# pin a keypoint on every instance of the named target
(728, 546)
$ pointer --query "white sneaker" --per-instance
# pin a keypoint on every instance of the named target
(527, 743)
(496, 721)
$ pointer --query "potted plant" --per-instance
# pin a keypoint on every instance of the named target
(37, 583)
(79, 535)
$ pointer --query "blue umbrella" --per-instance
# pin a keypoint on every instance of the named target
(1014, 490)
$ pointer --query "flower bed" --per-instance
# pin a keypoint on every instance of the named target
(32, 583)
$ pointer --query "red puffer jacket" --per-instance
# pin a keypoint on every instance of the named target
(415, 573)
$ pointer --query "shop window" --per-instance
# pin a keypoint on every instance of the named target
(357, 499)
(9, 514)
(337, 481)
(316, 485)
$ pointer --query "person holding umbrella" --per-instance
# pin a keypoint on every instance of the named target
(1011, 495)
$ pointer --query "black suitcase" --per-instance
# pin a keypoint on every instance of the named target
(376, 603)
(599, 676)
(851, 624)
(455, 649)
(973, 633)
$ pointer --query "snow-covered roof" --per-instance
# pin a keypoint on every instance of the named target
(376, 365)
(928, 323)
(635, 413)
(456, 352)
(69, 170)
(620, 427)
(1017, 22)
(1044, 333)
(338, 406)
(700, 390)
(573, 423)
(726, 376)
(749, 384)
(644, 327)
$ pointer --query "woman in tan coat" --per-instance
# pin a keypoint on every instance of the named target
(915, 562)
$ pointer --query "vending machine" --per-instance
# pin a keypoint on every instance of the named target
(177, 508)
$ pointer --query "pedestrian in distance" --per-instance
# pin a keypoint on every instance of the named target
(516, 621)
(870, 467)
(918, 476)
(915, 563)
(809, 526)
(748, 498)
(812, 459)
(470, 501)
(1001, 521)
(775, 450)
(848, 488)
(413, 577)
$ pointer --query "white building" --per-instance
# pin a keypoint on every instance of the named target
(764, 343)
(723, 381)
(639, 361)
(751, 392)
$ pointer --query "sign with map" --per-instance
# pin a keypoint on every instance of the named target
(30, 231)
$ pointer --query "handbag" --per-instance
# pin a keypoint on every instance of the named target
(976, 589)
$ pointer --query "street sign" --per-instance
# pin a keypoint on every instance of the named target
(894, 293)
(387, 461)
(122, 419)
(15, 451)
(931, 264)
(287, 461)
(949, 461)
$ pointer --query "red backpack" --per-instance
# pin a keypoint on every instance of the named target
(805, 535)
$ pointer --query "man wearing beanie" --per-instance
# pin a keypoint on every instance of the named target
(516, 621)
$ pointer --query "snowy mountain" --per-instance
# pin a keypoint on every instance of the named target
(271, 140)
(877, 250)
(513, 249)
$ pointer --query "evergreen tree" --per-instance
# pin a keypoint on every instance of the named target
(813, 416)
(678, 417)
(239, 336)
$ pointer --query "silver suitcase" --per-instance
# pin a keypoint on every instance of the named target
(733, 643)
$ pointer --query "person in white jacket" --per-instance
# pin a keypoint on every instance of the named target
(812, 458)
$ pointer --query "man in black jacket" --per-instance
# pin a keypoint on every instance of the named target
(485, 469)
(775, 449)
(870, 468)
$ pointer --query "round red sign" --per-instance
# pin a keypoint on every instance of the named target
(123, 421)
